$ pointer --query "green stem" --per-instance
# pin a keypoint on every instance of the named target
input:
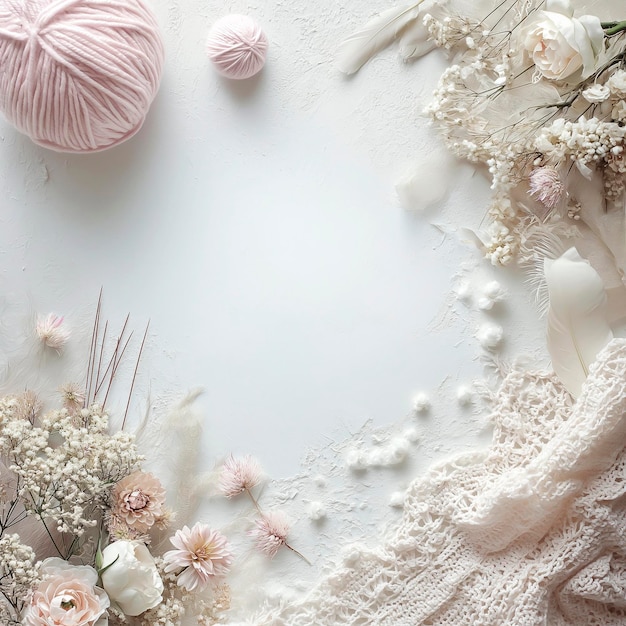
(612, 28)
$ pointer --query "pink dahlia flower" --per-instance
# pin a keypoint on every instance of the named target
(138, 500)
(201, 553)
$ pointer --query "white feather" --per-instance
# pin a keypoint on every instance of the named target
(540, 242)
(415, 41)
(577, 319)
(377, 34)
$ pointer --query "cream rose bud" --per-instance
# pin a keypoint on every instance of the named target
(130, 577)
(596, 93)
(561, 45)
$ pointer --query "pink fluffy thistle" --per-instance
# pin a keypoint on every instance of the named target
(546, 185)
(270, 534)
(51, 331)
(239, 475)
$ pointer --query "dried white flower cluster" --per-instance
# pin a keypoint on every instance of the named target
(451, 30)
(521, 101)
(18, 575)
(65, 466)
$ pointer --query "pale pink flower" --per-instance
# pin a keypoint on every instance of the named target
(138, 500)
(546, 185)
(239, 475)
(202, 553)
(52, 332)
(67, 596)
(73, 397)
(270, 532)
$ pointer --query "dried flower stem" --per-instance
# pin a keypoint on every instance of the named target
(298, 554)
(92, 350)
(260, 512)
(254, 501)
(115, 360)
(132, 384)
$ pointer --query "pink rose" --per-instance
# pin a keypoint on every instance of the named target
(67, 596)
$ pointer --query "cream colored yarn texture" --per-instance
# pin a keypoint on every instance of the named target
(237, 46)
(78, 75)
(531, 532)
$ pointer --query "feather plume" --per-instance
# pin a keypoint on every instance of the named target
(177, 435)
(540, 242)
(377, 34)
(415, 41)
(577, 318)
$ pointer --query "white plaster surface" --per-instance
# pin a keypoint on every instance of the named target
(256, 226)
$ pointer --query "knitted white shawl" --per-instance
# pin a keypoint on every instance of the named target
(532, 531)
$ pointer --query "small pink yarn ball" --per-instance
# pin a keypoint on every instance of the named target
(237, 46)
(78, 75)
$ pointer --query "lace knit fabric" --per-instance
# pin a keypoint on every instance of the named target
(532, 531)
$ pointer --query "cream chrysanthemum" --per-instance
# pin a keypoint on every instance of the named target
(201, 552)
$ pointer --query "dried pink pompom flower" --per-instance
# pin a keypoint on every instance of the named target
(52, 332)
(239, 475)
(203, 554)
(546, 185)
(270, 532)
(73, 397)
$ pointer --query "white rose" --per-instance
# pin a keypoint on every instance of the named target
(560, 44)
(130, 577)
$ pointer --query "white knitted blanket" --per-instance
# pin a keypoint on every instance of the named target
(532, 531)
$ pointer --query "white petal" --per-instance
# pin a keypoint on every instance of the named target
(560, 6)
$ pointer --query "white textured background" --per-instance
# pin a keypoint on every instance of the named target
(256, 225)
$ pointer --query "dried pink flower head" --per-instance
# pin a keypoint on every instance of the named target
(73, 397)
(239, 475)
(138, 500)
(52, 332)
(270, 532)
(546, 185)
(202, 553)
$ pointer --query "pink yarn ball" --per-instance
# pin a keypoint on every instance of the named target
(78, 75)
(237, 46)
